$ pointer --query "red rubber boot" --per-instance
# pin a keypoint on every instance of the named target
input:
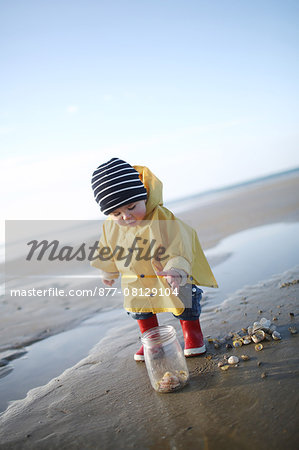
(194, 344)
(144, 325)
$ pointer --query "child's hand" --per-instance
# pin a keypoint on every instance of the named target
(173, 278)
(108, 282)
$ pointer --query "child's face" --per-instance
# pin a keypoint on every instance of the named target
(128, 215)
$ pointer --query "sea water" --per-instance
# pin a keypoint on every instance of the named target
(251, 256)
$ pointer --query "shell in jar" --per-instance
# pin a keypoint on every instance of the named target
(169, 382)
(182, 375)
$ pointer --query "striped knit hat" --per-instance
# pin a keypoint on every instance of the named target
(116, 183)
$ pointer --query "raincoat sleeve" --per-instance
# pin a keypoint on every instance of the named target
(181, 265)
(103, 259)
(178, 262)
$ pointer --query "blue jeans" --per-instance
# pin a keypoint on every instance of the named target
(192, 313)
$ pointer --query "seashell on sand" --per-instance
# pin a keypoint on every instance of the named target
(258, 336)
(272, 328)
(233, 360)
(237, 343)
(245, 357)
(256, 326)
(276, 336)
(258, 347)
(250, 330)
(265, 322)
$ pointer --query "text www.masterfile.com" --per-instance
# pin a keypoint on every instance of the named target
(57, 292)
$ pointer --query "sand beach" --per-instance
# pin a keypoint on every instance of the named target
(103, 400)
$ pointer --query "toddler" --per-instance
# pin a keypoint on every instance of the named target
(158, 256)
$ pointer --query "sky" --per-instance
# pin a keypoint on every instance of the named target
(204, 93)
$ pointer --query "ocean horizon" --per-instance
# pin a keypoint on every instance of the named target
(212, 192)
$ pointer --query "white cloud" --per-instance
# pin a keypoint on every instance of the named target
(72, 109)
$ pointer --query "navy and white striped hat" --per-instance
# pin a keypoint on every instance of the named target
(116, 183)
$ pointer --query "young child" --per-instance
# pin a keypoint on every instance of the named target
(158, 256)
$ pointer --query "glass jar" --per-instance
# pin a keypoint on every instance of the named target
(164, 359)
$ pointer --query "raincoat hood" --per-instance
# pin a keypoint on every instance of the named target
(153, 187)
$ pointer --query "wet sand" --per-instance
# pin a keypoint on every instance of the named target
(106, 402)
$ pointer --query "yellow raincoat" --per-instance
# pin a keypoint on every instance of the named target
(134, 252)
